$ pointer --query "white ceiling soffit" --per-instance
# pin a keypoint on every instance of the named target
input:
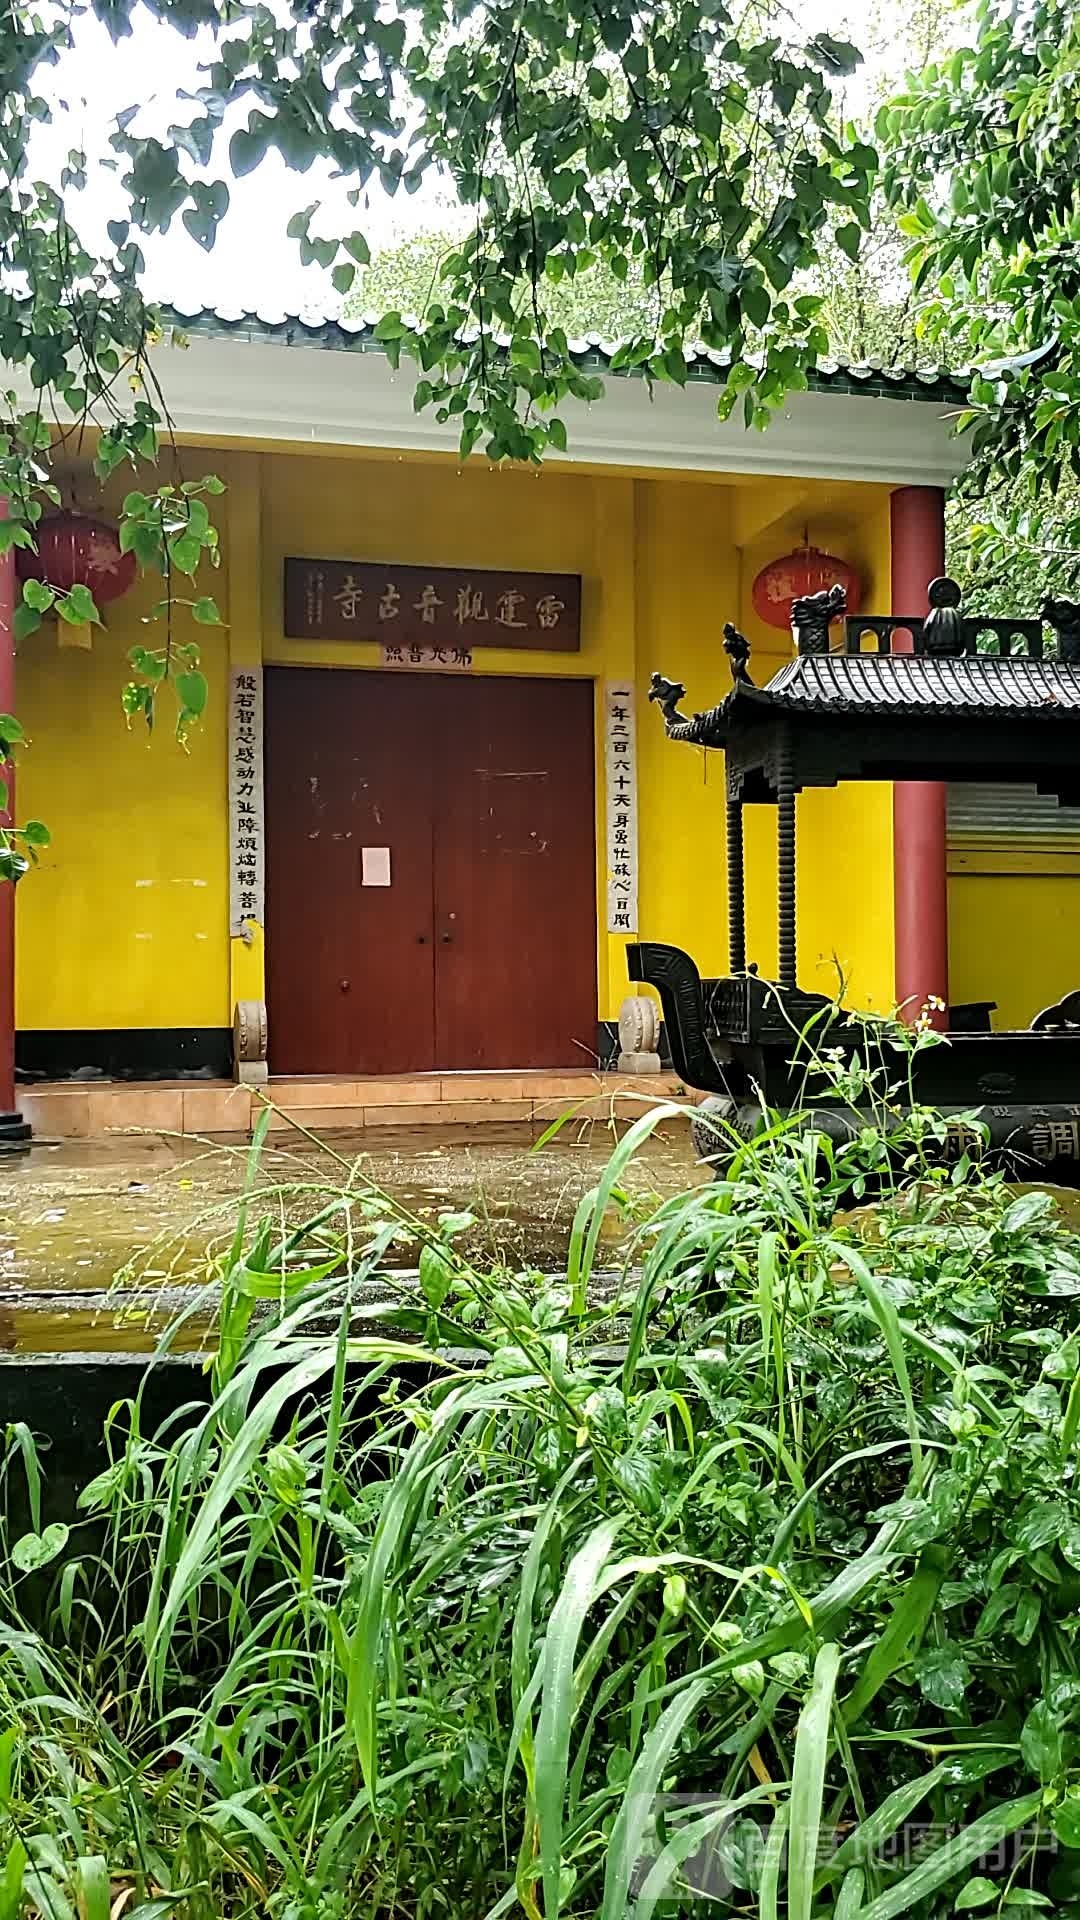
(231, 389)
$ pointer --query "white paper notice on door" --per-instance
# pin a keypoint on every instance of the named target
(375, 867)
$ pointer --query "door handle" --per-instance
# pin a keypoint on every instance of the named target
(447, 939)
(344, 985)
(421, 939)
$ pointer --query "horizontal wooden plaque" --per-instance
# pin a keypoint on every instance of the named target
(454, 607)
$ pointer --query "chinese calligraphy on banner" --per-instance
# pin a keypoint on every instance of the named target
(431, 606)
(620, 765)
(247, 878)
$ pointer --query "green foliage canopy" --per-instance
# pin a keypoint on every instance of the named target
(982, 156)
(700, 150)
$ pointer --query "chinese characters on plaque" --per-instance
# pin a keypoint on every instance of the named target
(435, 609)
(415, 655)
(620, 769)
(246, 858)
(1030, 1132)
(1055, 1139)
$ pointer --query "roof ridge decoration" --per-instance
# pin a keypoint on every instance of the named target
(943, 663)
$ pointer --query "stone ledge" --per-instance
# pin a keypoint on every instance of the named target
(326, 1105)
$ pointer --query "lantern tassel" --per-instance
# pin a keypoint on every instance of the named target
(75, 636)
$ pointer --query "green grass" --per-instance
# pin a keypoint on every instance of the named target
(512, 1602)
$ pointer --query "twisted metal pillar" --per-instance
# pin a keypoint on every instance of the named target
(736, 889)
(785, 860)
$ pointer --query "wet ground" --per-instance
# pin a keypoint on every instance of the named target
(78, 1218)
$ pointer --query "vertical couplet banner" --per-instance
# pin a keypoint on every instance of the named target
(620, 772)
(247, 867)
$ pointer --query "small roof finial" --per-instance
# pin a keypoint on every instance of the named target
(944, 629)
(737, 648)
(813, 614)
(1064, 617)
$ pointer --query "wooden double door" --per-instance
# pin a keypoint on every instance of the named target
(431, 872)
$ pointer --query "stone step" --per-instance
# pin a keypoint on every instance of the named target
(323, 1105)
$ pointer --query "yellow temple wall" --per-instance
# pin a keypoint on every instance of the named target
(125, 923)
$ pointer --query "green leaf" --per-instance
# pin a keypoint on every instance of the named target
(981, 1837)
(756, 303)
(436, 1276)
(144, 541)
(10, 730)
(210, 204)
(1025, 1211)
(39, 595)
(343, 277)
(79, 607)
(8, 1741)
(185, 552)
(675, 1595)
(1041, 1741)
(808, 1783)
(191, 691)
(92, 1877)
(904, 1628)
(26, 620)
(942, 1674)
(299, 222)
(12, 1880)
(248, 146)
(894, 1335)
(849, 239)
(558, 1657)
(976, 1893)
(1065, 1821)
(637, 1805)
(863, 1846)
(1040, 1523)
(205, 611)
(35, 1550)
(390, 327)
(36, 833)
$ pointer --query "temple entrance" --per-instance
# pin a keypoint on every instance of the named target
(431, 872)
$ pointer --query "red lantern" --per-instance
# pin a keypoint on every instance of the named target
(806, 571)
(75, 551)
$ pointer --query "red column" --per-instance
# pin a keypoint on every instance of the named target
(12, 1130)
(919, 838)
(7, 890)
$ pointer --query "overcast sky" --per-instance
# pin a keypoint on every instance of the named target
(253, 265)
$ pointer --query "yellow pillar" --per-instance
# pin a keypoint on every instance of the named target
(243, 527)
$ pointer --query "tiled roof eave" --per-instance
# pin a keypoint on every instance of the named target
(923, 710)
(922, 686)
(590, 353)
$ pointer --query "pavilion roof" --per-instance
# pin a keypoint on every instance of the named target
(849, 714)
(877, 683)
